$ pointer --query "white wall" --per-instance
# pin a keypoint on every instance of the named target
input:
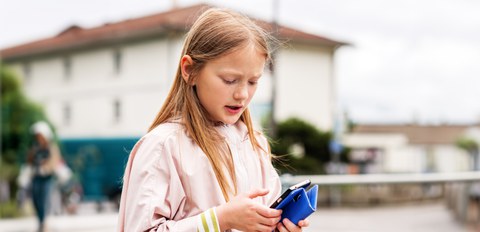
(451, 159)
(304, 86)
(404, 159)
(94, 86)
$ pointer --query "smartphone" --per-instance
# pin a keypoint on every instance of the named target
(302, 184)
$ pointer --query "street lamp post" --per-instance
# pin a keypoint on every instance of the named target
(272, 122)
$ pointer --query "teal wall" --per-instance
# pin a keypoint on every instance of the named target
(98, 163)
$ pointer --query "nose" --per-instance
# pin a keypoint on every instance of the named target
(241, 92)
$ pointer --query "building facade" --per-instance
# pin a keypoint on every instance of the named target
(110, 81)
(410, 148)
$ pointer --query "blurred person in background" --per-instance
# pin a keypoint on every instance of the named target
(43, 158)
(202, 166)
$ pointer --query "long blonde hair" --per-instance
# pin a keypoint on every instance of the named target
(217, 32)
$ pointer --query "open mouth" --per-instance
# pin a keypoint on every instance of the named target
(234, 107)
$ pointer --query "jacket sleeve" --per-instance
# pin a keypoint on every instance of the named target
(153, 195)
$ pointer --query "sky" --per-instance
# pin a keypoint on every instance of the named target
(408, 60)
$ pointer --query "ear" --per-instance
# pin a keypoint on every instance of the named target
(186, 64)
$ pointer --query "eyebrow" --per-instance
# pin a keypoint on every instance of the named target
(238, 74)
(231, 72)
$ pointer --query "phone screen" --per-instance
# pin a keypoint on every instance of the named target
(302, 184)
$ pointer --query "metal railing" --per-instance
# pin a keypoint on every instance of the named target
(457, 186)
(329, 180)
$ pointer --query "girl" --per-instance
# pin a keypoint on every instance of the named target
(202, 167)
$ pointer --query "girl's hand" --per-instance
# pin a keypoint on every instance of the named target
(288, 226)
(243, 213)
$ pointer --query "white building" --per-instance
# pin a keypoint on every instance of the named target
(110, 81)
(410, 148)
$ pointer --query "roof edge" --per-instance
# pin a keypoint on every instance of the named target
(75, 37)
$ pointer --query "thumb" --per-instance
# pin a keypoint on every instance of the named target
(257, 193)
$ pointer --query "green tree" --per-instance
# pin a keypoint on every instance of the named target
(18, 114)
(313, 143)
(472, 147)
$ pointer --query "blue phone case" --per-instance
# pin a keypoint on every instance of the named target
(299, 204)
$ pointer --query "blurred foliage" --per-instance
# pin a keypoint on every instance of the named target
(315, 146)
(468, 144)
(9, 209)
(298, 166)
(350, 125)
(18, 114)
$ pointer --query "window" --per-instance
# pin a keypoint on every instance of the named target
(67, 114)
(117, 61)
(67, 67)
(117, 111)
(27, 71)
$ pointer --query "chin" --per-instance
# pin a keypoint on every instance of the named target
(231, 120)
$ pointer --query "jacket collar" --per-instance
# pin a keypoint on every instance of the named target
(238, 129)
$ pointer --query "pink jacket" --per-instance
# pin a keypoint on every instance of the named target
(169, 181)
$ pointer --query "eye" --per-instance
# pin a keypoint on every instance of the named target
(228, 82)
(253, 81)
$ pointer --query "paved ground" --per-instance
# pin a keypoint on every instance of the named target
(413, 218)
(87, 220)
(78, 223)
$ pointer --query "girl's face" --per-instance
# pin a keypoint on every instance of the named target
(226, 85)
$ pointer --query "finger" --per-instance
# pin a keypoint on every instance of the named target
(281, 227)
(290, 226)
(261, 227)
(268, 212)
(258, 193)
(267, 216)
(304, 223)
(269, 221)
